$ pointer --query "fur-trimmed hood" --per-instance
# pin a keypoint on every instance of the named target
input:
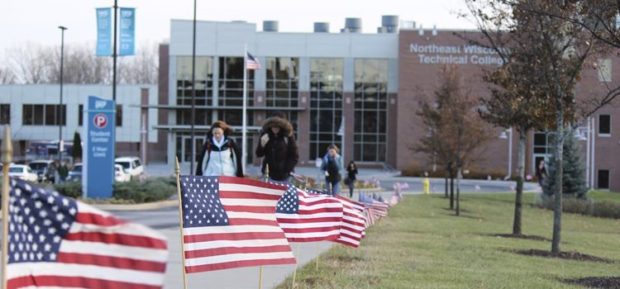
(286, 129)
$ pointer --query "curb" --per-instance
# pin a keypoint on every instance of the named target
(137, 207)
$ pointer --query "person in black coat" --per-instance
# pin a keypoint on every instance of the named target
(220, 155)
(278, 147)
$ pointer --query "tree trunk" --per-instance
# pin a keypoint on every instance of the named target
(451, 191)
(446, 191)
(516, 224)
(559, 144)
(458, 191)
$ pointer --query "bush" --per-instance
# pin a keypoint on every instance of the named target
(69, 189)
(583, 206)
(150, 190)
(606, 209)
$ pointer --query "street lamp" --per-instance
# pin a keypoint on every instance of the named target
(193, 110)
(59, 110)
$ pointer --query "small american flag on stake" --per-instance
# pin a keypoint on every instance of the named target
(309, 218)
(230, 222)
(57, 242)
(251, 62)
(353, 223)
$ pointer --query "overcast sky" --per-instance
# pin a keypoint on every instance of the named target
(37, 21)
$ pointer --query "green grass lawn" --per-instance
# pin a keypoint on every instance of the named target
(605, 196)
(421, 244)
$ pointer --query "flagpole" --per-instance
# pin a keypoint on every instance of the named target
(177, 172)
(7, 156)
(244, 141)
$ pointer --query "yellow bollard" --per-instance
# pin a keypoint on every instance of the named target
(426, 183)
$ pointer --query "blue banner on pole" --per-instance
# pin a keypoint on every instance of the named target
(104, 31)
(127, 31)
(98, 165)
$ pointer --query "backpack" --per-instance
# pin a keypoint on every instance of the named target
(332, 169)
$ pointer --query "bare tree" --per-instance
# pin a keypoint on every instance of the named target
(6, 75)
(141, 68)
(456, 132)
(549, 55)
(37, 64)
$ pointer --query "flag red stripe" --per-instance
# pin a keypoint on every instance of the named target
(248, 221)
(98, 219)
(350, 244)
(114, 262)
(77, 282)
(251, 209)
(236, 250)
(235, 264)
(247, 195)
(285, 220)
(331, 237)
(232, 236)
(319, 210)
(118, 239)
(311, 230)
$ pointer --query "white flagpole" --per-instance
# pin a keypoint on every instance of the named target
(244, 154)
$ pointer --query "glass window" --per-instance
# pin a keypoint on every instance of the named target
(604, 124)
(204, 88)
(326, 75)
(5, 114)
(43, 114)
(603, 179)
(370, 108)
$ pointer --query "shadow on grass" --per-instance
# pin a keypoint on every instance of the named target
(596, 282)
(520, 236)
(567, 255)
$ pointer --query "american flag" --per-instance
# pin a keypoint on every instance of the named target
(251, 62)
(230, 222)
(309, 218)
(57, 242)
(380, 209)
(353, 223)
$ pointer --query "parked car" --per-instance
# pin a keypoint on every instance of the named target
(75, 174)
(23, 172)
(131, 165)
(45, 169)
(120, 175)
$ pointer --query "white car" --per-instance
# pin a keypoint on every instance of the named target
(23, 172)
(132, 165)
(120, 175)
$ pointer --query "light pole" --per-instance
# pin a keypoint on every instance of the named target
(59, 110)
(193, 113)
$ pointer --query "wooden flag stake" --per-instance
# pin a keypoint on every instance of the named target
(177, 172)
(260, 277)
(7, 158)
(294, 271)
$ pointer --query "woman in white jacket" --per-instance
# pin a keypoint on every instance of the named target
(220, 154)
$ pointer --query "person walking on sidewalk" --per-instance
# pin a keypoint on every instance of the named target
(351, 177)
(332, 165)
(220, 154)
(278, 147)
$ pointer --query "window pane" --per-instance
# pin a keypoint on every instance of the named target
(38, 115)
(604, 126)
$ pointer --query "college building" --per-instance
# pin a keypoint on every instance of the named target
(360, 91)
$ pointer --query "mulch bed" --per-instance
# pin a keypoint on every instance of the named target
(596, 282)
(521, 236)
(567, 255)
